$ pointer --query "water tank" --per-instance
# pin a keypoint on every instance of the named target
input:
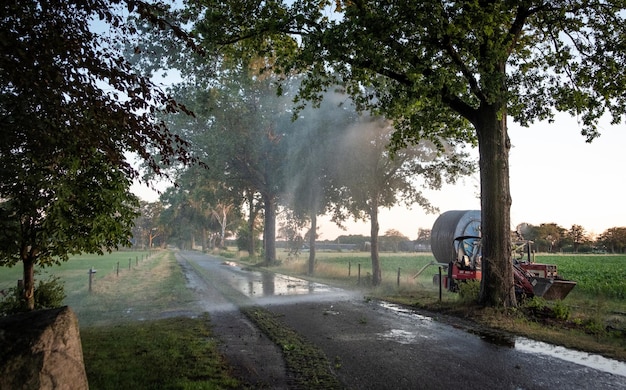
(447, 227)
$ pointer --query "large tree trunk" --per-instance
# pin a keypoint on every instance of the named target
(376, 272)
(269, 230)
(29, 282)
(312, 237)
(497, 287)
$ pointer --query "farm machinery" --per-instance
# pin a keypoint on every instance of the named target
(456, 245)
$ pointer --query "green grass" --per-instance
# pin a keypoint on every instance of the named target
(132, 331)
(75, 272)
(174, 353)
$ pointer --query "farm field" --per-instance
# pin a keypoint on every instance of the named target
(596, 275)
(601, 279)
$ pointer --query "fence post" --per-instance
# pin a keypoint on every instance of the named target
(349, 268)
(91, 272)
(129, 263)
(118, 269)
(398, 276)
(359, 278)
(440, 282)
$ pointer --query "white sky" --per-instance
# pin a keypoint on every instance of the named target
(555, 176)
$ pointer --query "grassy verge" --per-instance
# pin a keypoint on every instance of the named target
(588, 319)
(154, 288)
(136, 330)
(173, 353)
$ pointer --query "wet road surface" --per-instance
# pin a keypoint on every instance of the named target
(376, 345)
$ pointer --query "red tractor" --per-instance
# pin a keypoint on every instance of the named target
(456, 245)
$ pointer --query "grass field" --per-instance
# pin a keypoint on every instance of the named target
(132, 330)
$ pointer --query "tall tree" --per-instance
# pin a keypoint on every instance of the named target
(240, 133)
(577, 235)
(311, 161)
(148, 225)
(370, 177)
(613, 239)
(71, 109)
(445, 69)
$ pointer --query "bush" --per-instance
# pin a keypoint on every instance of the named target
(561, 310)
(48, 295)
(469, 291)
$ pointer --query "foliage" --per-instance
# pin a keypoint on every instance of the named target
(243, 238)
(371, 177)
(561, 310)
(49, 294)
(72, 110)
(469, 291)
(147, 226)
(613, 239)
(450, 70)
(357, 239)
(392, 240)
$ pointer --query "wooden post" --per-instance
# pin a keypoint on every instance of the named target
(91, 272)
(359, 277)
(440, 282)
(129, 263)
(118, 269)
(349, 268)
(398, 276)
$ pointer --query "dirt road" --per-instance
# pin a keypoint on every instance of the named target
(376, 345)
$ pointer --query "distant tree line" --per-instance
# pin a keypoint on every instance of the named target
(552, 238)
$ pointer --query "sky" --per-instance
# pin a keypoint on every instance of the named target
(555, 176)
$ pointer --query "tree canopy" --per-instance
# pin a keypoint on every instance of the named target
(447, 70)
(71, 111)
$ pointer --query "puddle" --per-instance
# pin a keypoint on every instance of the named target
(404, 311)
(521, 344)
(401, 336)
(256, 284)
(583, 358)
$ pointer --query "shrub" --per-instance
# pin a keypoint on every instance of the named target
(48, 295)
(469, 291)
(561, 310)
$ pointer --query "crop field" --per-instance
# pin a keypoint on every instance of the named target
(595, 275)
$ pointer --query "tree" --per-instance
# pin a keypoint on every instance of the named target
(239, 131)
(454, 69)
(613, 239)
(148, 225)
(550, 234)
(370, 177)
(577, 235)
(71, 110)
(311, 162)
(393, 238)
